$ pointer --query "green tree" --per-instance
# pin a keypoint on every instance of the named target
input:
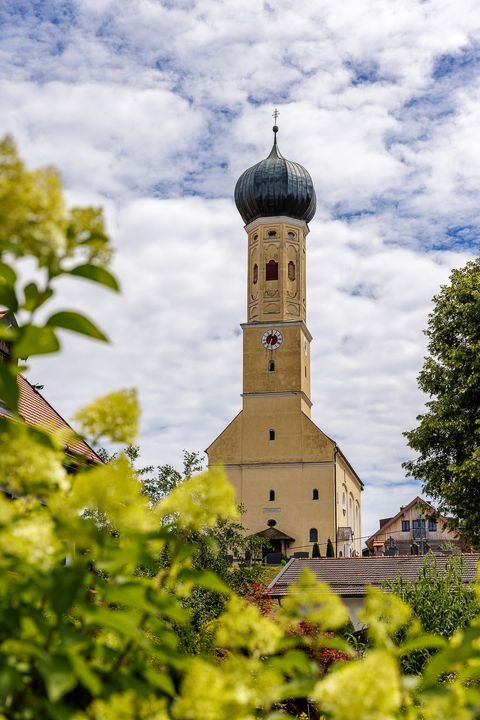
(316, 551)
(447, 438)
(440, 599)
(330, 549)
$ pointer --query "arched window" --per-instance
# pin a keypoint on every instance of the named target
(271, 270)
(255, 274)
(313, 535)
(291, 270)
(350, 511)
(315, 494)
(271, 366)
(271, 495)
(344, 503)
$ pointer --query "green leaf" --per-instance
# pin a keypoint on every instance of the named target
(67, 582)
(7, 274)
(76, 322)
(34, 340)
(34, 298)
(124, 623)
(57, 675)
(96, 274)
(8, 297)
(83, 671)
(205, 579)
(421, 642)
(9, 393)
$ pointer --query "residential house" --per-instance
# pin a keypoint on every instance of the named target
(414, 530)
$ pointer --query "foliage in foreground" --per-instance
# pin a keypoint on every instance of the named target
(441, 601)
(447, 438)
(89, 620)
(83, 634)
(215, 547)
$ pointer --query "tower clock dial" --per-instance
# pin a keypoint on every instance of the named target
(272, 339)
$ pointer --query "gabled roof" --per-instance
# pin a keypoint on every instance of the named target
(389, 521)
(272, 533)
(35, 410)
(349, 577)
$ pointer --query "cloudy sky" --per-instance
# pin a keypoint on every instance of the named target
(153, 108)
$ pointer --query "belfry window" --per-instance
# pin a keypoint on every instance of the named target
(291, 270)
(315, 494)
(255, 274)
(313, 535)
(271, 270)
(271, 495)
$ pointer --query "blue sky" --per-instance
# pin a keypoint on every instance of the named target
(153, 109)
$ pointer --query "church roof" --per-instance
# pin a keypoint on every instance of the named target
(275, 186)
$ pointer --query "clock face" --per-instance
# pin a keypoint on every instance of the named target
(272, 339)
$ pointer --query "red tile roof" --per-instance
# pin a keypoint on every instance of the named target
(37, 411)
(349, 577)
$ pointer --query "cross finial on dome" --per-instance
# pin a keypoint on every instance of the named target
(275, 115)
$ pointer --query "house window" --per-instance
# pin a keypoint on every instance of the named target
(291, 270)
(315, 494)
(255, 274)
(271, 366)
(313, 535)
(271, 434)
(432, 526)
(271, 270)
(271, 495)
(405, 525)
(419, 529)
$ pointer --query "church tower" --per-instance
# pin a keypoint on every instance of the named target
(293, 482)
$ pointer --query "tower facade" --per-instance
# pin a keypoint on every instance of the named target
(295, 485)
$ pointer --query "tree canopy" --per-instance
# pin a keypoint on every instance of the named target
(447, 438)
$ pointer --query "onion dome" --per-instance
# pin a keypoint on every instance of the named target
(275, 186)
